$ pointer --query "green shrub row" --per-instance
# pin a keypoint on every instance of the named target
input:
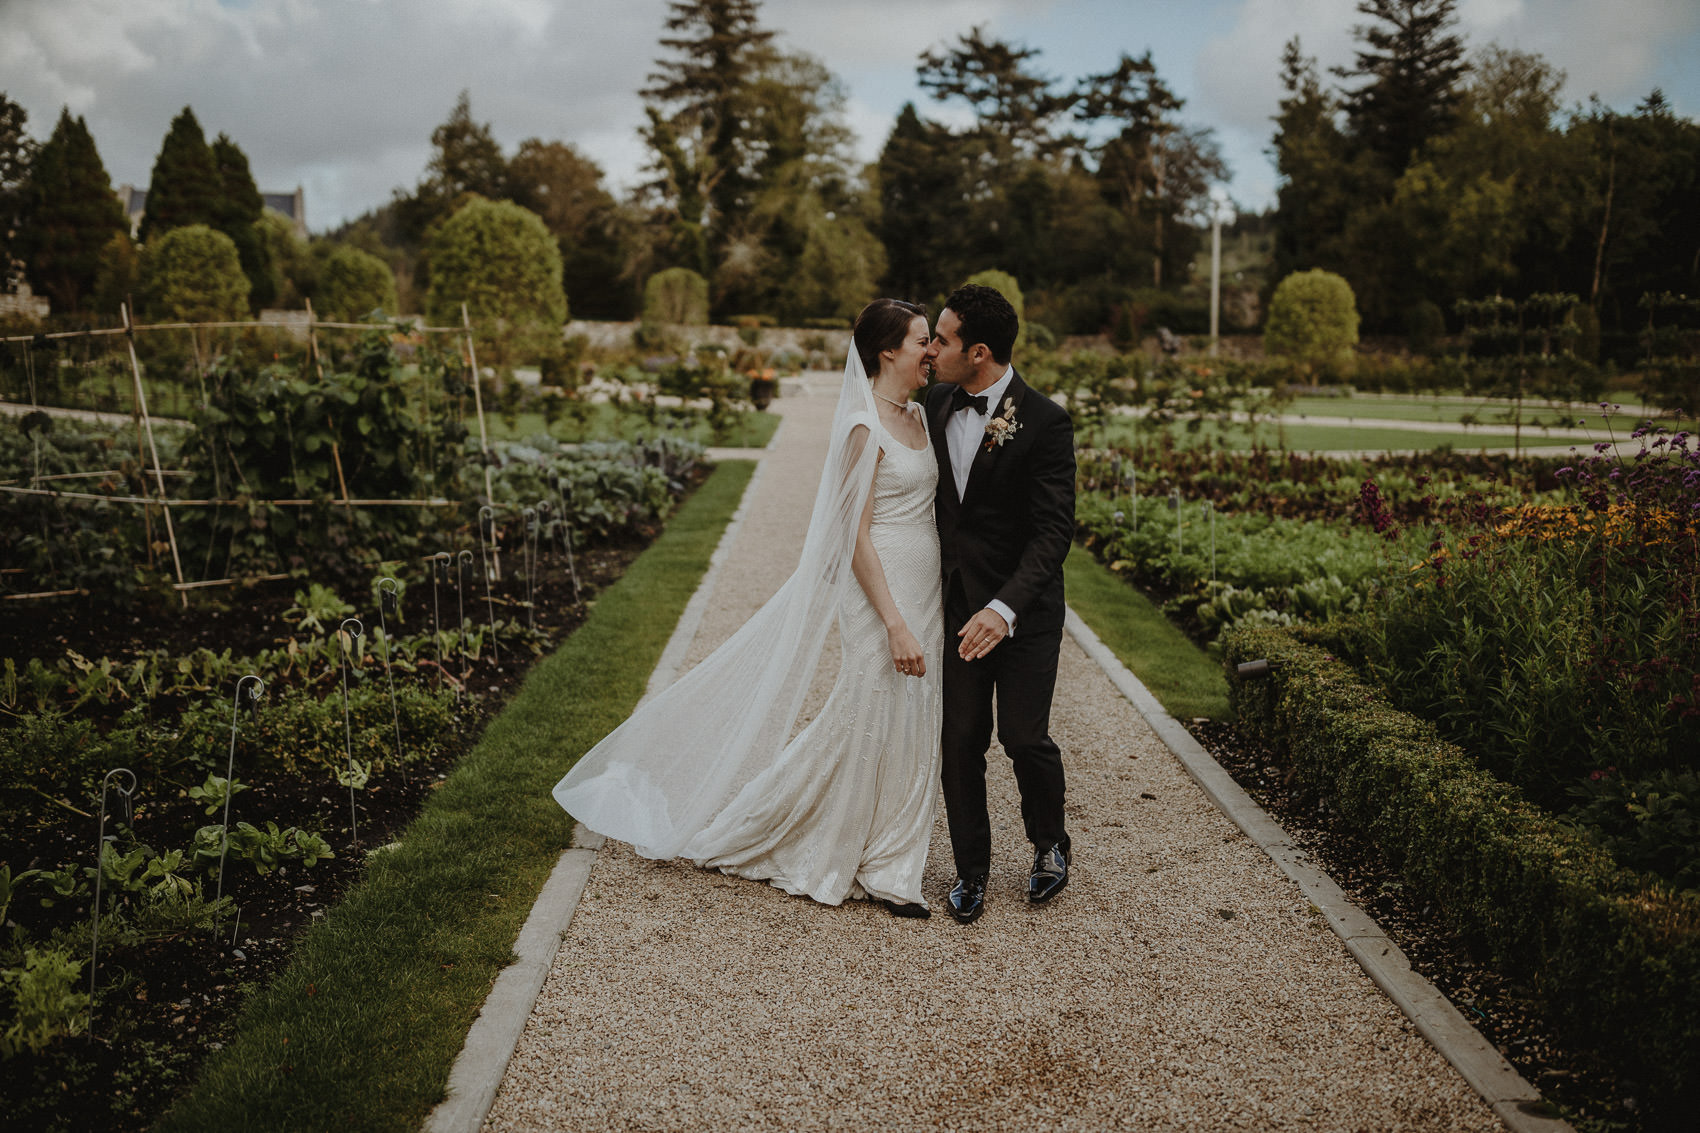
(1615, 955)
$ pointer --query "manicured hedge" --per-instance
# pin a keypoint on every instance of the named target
(1614, 954)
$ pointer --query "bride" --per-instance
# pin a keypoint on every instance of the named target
(708, 770)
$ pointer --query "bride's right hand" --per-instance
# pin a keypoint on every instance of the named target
(906, 654)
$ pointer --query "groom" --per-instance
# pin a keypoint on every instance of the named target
(1005, 511)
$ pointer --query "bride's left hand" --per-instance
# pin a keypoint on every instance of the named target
(906, 653)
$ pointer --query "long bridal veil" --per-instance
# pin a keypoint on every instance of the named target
(662, 776)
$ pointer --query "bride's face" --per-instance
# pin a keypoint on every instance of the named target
(906, 363)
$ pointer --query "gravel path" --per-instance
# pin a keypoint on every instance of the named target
(1181, 982)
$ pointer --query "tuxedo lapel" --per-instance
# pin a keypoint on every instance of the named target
(979, 471)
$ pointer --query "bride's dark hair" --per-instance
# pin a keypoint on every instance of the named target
(883, 325)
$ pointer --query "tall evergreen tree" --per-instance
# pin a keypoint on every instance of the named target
(17, 151)
(1150, 166)
(465, 160)
(239, 209)
(184, 187)
(1314, 193)
(1410, 64)
(561, 185)
(928, 180)
(1013, 103)
(696, 104)
(70, 213)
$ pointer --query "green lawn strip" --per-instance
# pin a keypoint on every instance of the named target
(1496, 414)
(604, 422)
(1183, 678)
(360, 1031)
(1342, 438)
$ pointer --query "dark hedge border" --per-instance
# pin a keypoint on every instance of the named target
(1614, 955)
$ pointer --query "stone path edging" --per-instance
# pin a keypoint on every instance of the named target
(1506, 1091)
(483, 1060)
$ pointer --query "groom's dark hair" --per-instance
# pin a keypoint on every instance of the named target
(986, 317)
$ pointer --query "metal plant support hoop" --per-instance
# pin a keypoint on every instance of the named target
(389, 605)
(486, 542)
(125, 793)
(346, 644)
(255, 691)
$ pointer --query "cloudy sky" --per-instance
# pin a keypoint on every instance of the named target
(341, 96)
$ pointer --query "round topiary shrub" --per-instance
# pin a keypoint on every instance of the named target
(193, 275)
(352, 284)
(678, 296)
(504, 264)
(1313, 317)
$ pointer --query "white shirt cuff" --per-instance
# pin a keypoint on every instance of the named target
(1004, 612)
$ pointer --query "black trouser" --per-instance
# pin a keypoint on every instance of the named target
(1020, 673)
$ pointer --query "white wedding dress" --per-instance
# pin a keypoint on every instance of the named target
(709, 769)
(847, 810)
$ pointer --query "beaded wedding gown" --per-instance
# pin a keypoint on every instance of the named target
(709, 770)
(847, 810)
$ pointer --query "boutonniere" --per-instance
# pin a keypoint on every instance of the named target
(1001, 428)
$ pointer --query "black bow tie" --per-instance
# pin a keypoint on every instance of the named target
(961, 399)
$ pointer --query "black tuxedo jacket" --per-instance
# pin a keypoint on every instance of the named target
(1006, 538)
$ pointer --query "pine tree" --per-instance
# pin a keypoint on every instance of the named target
(1412, 64)
(695, 104)
(466, 159)
(1316, 189)
(184, 187)
(70, 213)
(17, 151)
(239, 209)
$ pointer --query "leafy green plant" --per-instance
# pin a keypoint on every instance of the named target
(1648, 824)
(46, 1004)
(317, 609)
(264, 849)
(215, 791)
(10, 883)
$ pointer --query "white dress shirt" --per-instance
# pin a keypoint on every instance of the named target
(964, 433)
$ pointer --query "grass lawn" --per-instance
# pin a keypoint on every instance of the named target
(1311, 438)
(360, 1031)
(1484, 412)
(1183, 678)
(604, 422)
(1339, 438)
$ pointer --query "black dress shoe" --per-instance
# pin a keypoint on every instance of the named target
(898, 909)
(1050, 874)
(967, 898)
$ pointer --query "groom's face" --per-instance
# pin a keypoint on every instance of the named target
(950, 362)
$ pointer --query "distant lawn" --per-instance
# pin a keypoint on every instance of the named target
(1436, 410)
(1183, 678)
(1341, 438)
(1311, 438)
(604, 422)
(1485, 412)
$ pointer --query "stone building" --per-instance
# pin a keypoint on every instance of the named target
(291, 206)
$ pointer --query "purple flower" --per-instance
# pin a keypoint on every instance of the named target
(1601, 446)
(1566, 470)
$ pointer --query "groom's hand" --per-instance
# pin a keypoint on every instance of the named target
(982, 633)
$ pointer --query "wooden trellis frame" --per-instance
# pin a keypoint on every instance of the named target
(144, 425)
